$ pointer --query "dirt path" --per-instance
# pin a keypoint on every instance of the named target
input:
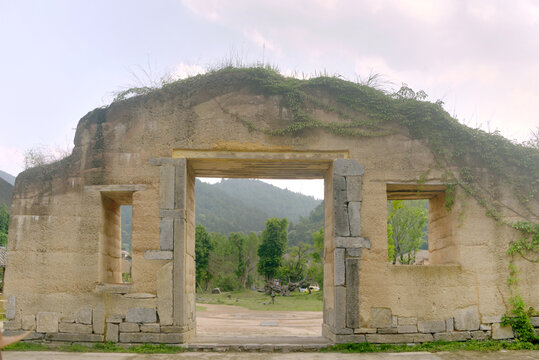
(228, 320)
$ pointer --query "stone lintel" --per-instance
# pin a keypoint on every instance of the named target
(113, 288)
(352, 242)
(158, 255)
(166, 161)
(116, 188)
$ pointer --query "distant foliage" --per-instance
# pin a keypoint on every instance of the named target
(303, 230)
(272, 247)
(4, 224)
(203, 246)
(406, 229)
(41, 155)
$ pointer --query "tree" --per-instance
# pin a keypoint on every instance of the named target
(406, 229)
(316, 267)
(203, 247)
(4, 224)
(273, 246)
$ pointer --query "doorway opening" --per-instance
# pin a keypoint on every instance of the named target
(259, 257)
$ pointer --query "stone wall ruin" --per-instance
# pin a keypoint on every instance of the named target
(63, 279)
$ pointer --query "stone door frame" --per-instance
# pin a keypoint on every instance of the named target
(342, 245)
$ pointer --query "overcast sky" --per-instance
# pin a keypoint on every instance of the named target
(61, 59)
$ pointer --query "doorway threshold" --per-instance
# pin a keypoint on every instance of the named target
(258, 343)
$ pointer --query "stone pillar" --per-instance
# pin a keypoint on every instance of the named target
(176, 237)
(345, 249)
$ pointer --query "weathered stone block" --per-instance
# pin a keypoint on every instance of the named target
(167, 177)
(406, 329)
(535, 321)
(381, 318)
(354, 218)
(112, 332)
(431, 326)
(365, 331)
(98, 320)
(340, 308)
(164, 294)
(394, 321)
(480, 335)
(9, 307)
(70, 337)
(32, 336)
(67, 319)
(14, 324)
(340, 218)
(139, 337)
(453, 336)
(174, 329)
(352, 292)
(173, 338)
(391, 330)
(141, 315)
(166, 234)
(75, 328)
(340, 267)
(129, 327)
(140, 296)
(47, 322)
(115, 318)
(398, 338)
(339, 183)
(352, 338)
(352, 242)
(84, 316)
(172, 213)
(352, 252)
(28, 322)
(491, 319)
(151, 328)
(485, 327)
(347, 167)
(449, 324)
(407, 321)
(502, 332)
(180, 186)
(353, 188)
(467, 318)
(157, 255)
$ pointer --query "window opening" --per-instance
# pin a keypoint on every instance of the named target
(126, 228)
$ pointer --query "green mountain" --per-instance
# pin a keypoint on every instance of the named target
(8, 177)
(6, 191)
(303, 230)
(235, 205)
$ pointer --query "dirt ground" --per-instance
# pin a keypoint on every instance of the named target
(228, 320)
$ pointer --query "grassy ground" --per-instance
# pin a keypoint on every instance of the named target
(471, 345)
(254, 300)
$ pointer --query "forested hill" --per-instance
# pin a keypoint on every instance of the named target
(8, 177)
(235, 205)
(6, 190)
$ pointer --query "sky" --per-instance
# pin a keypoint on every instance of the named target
(61, 59)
